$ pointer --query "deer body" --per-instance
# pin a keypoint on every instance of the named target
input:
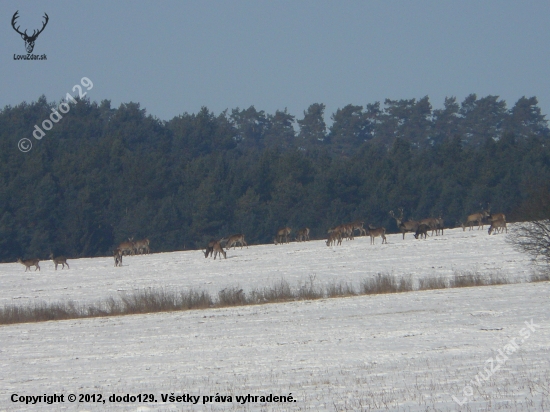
(498, 225)
(303, 234)
(29, 262)
(282, 233)
(375, 232)
(234, 240)
(60, 260)
(404, 227)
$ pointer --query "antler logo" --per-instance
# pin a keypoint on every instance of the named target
(29, 40)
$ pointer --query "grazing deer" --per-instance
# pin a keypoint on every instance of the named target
(498, 225)
(431, 222)
(409, 226)
(59, 261)
(234, 239)
(29, 262)
(141, 246)
(284, 232)
(303, 234)
(215, 248)
(335, 237)
(127, 247)
(117, 254)
(375, 232)
(422, 230)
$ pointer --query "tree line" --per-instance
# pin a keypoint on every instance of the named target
(103, 174)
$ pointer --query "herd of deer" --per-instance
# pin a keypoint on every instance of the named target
(497, 223)
(131, 248)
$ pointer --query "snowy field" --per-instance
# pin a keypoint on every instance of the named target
(89, 280)
(401, 352)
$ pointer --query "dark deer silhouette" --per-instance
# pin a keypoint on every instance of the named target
(29, 40)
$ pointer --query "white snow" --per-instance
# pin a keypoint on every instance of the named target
(407, 351)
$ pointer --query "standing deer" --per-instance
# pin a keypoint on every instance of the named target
(440, 226)
(422, 230)
(409, 226)
(127, 247)
(375, 232)
(59, 261)
(141, 246)
(234, 239)
(284, 232)
(117, 255)
(29, 262)
(358, 225)
(477, 217)
(303, 234)
(335, 237)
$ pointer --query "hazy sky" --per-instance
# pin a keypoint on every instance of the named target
(176, 56)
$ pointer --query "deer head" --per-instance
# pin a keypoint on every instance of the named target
(29, 40)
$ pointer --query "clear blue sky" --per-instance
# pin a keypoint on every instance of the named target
(176, 56)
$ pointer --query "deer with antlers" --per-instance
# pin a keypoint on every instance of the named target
(29, 40)
(409, 226)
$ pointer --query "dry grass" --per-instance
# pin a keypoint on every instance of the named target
(385, 283)
(432, 282)
(162, 300)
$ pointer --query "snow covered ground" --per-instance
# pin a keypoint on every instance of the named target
(89, 280)
(409, 351)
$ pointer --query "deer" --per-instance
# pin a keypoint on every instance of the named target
(29, 40)
(358, 225)
(345, 229)
(477, 217)
(283, 232)
(127, 246)
(141, 246)
(335, 237)
(29, 262)
(303, 234)
(422, 230)
(431, 222)
(439, 226)
(60, 260)
(374, 232)
(497, 226)
(117, 254)
(234, 239)
(215, 248)
(409, 226)
(496, 216)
